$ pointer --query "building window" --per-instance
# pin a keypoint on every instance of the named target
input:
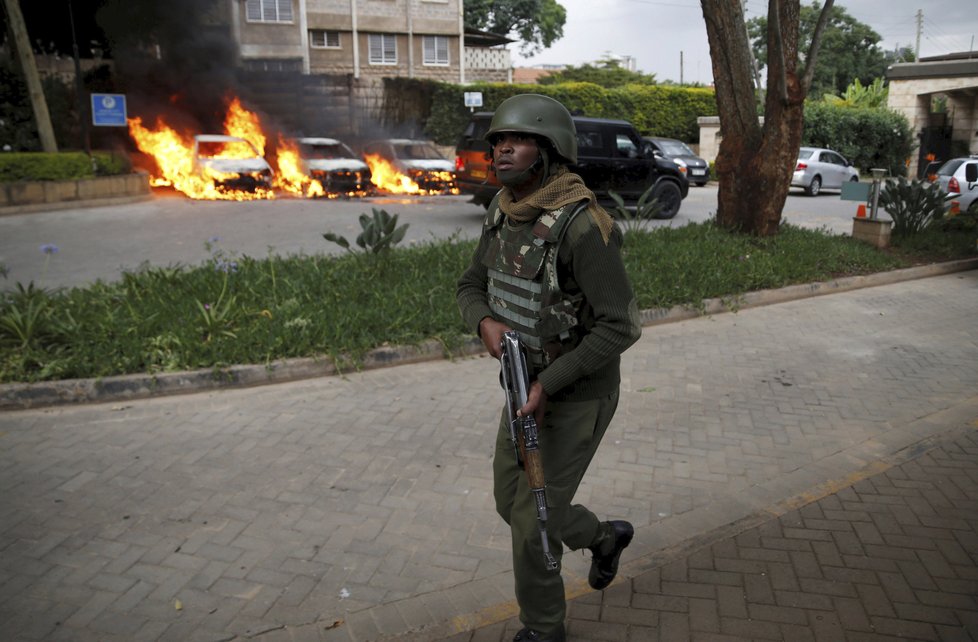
(269, 10)
(272, 64)
(383, 49)
(321, 39)
(435, 50)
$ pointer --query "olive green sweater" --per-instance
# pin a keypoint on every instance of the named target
(586, 265)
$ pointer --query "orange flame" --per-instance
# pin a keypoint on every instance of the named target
(290, 177)
(388, 178)
(174, 156)
(244, 124)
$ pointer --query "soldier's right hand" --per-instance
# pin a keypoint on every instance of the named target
(491, 332)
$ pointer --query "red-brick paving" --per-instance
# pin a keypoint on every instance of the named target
(892, 557)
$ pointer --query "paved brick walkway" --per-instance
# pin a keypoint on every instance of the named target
(892, 557)
(358, 508)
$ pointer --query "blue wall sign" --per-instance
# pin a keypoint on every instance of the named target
(109, 110)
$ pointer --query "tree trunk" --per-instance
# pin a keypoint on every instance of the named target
(755, 162)
(22, 44)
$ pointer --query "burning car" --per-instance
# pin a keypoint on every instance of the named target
(337, 168)
(231, 162)
(407, 166)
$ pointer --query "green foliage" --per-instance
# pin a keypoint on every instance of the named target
(407, 100)
(380, 233)
(849, 50)
(305, 306)
(17, 127)
(868, 138)
(607, 74)
(873, 96)
(653, 109)
(41, 166)
(111, 163)
(913, 205)
(537, 23)
(646, 209)
(28, 317)
(684, 265)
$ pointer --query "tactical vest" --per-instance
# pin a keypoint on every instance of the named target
(524, 291)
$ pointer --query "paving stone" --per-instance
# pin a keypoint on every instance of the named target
(338, 497)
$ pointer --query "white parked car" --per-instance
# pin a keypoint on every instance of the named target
(819, 168)
(231, 162)
(959, 178)
(419, 160)
(337, 168)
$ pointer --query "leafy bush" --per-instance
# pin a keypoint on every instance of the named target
(867, 137)
(111, 164)
(41, 166)
(380, 233)
(913, 205)
(654, 109)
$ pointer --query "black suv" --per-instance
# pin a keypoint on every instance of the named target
(611, 156)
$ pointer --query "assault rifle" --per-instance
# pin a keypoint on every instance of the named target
(523, 431)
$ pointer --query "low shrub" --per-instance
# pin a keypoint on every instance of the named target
(63, 166)
(913, 205)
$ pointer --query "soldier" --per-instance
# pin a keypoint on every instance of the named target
(548, 265)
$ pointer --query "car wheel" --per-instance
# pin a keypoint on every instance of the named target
(814, 187)
(853, 179)
(973, 208)
(669, 198)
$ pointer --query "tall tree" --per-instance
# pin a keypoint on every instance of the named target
(606, 73)
(25, 55)
(850, 49)
(537, 23)
(755, 161)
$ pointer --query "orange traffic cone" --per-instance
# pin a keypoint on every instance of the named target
(861, 211)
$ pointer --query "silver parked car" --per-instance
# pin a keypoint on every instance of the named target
(819, 168)
(695, 168)
(959, 178)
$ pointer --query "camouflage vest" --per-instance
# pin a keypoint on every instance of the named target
(524, 291)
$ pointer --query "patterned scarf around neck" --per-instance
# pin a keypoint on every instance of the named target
(562, 188)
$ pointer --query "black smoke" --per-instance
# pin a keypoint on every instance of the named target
(174, 59)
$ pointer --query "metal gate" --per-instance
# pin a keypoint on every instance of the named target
(935, 148)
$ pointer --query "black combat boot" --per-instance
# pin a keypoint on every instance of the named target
(527, 634)
(605, 567)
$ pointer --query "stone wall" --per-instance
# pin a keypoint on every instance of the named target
(50, 194)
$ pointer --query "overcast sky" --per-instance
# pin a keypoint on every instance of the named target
(660, 33)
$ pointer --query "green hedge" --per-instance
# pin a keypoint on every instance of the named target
(867, 137)
(40, 166)
(654, 110)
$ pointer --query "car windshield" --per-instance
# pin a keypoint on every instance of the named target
(948, 168)
(417, 151)
(226, 149)
(326, 152)
(675, 148)
(805, 153)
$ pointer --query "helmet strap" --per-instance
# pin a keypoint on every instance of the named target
(511, 178)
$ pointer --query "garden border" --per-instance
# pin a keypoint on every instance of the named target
(140, 386)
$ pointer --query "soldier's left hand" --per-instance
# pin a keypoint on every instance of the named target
(536, 403)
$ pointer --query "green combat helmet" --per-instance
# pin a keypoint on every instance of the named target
(539, 115)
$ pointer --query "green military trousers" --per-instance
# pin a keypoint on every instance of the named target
(569, 437)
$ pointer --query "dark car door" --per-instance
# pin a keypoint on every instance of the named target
(593, 151)
(630, 167)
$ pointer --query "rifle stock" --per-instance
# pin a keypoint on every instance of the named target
(523, 432)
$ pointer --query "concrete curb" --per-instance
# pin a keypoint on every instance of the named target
(140, 386)
(24, 197)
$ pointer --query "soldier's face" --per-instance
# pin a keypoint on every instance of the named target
(514, 152)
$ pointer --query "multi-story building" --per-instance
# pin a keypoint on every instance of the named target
(364, 38)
